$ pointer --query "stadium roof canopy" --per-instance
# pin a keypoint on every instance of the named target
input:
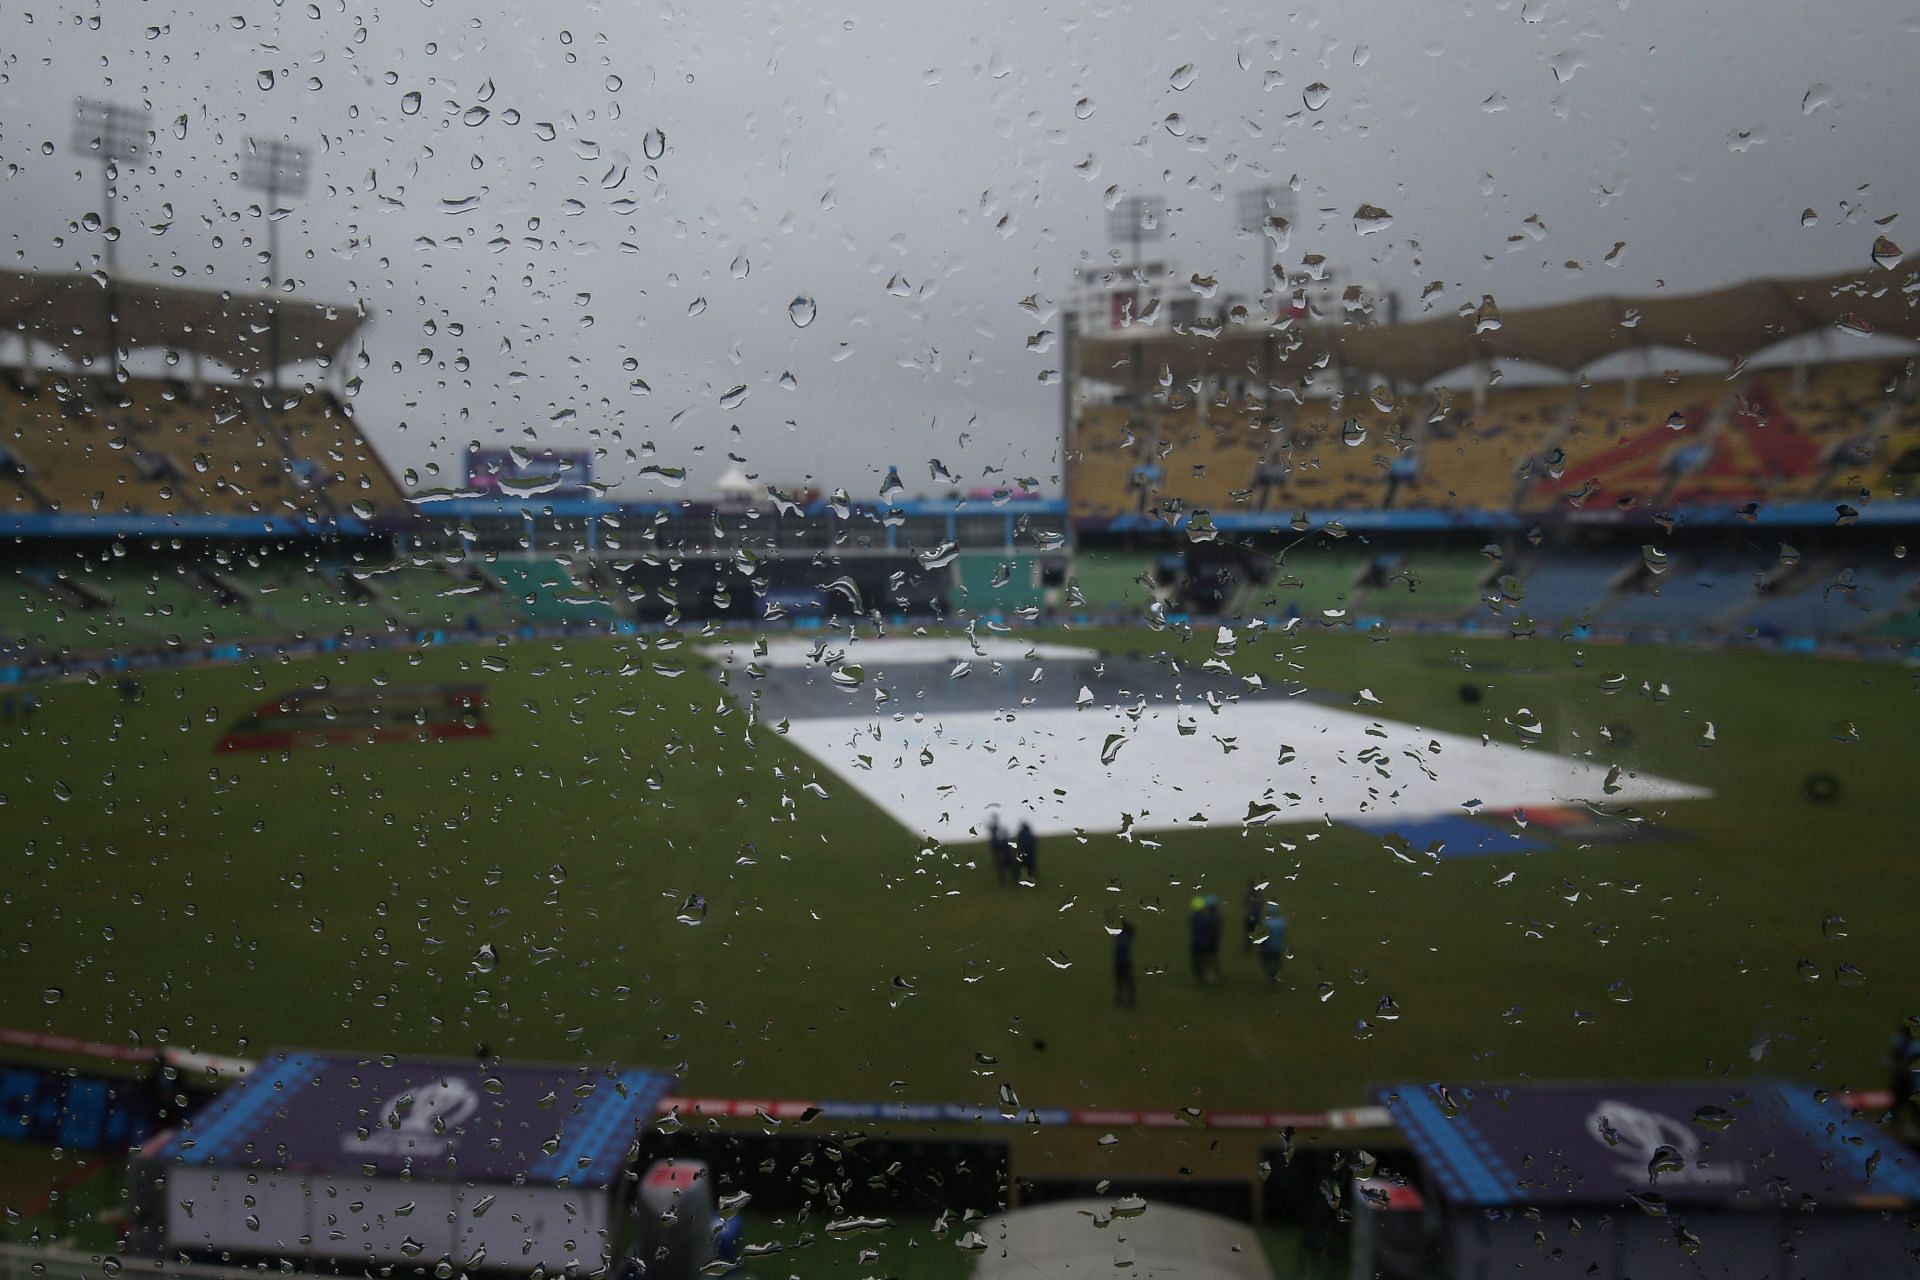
(68, 310)
(1728, 323)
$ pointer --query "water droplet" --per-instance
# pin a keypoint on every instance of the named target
(1083, 109)
(1182, 78)
(1352, 434)
(1886, 254)
(1315, 95)
(734, 397)
(1369, 218)
(654, 144)
(410, 104)
(53, 995)
(265, 80)
(474, 117)
(801, 311)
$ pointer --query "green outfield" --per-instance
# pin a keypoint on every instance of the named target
(527, 891)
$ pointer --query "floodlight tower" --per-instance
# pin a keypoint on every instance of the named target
(1136, 220)
(1266, 212)
(110, 134)
(276, 167)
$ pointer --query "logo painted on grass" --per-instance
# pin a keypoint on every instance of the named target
(343, 717)
(1490, 834)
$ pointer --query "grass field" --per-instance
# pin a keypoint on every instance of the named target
(525, 890)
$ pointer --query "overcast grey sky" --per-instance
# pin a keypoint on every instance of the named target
(919, 170)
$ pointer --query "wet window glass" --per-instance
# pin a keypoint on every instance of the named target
(908, 641)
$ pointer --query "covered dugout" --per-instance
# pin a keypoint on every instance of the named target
(1610, 1181)
(313, 1158)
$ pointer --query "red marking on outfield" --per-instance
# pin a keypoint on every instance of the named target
(290, 739)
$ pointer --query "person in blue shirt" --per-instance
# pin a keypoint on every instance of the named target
(1273, 947)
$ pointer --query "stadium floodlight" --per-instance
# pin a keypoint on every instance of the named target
(1135, 220)
(274, 167)
(109, 131)
(1266, 212)
(110, 134)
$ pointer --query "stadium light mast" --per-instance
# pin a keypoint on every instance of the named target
(111, 134)
(1266, 212)
(276, 167)
(1137, 219)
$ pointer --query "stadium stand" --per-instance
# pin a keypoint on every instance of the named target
(1623, 446)
(88, 446)
(1757, 454)
(1685, 596)
(88, 606)
(1105, 458)
(424, 595)
(1115, 581)
(1337, 456)
(288, 595)
(1318, 583)
(1881, 466)
(322, 435)
(1833, 599)
(199, 512)
(1477, 461)
(544, 590)
(1567, 589)
(1425, 584)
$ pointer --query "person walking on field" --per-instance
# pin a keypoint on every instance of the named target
(1197, 939)
(1002, 851)
(1273, 946)
(1214, 928)
(1027, 845)
(1123, 989)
